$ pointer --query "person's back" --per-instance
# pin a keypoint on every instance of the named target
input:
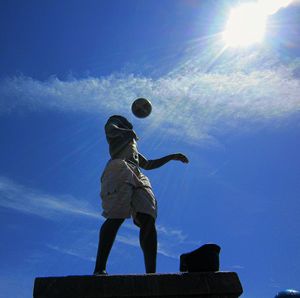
(121, 139)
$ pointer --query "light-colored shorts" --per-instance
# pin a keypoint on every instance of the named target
(125, 190)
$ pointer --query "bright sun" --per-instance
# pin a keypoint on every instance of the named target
(246, 25)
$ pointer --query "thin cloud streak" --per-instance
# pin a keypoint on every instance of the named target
(23, 199)
(129, 240)
(165, 245)
(253, 87)
(33, 202)
(70, 252)
(170, 251)
(170, 244)
(180, 237)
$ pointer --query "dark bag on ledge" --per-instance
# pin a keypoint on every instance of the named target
(203, 259)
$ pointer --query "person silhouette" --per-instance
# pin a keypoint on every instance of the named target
(126, 192)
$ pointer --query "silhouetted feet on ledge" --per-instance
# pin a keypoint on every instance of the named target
(98, 273)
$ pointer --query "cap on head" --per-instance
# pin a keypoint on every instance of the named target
(121, 121)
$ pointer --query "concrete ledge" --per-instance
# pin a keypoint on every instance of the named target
(179, 285)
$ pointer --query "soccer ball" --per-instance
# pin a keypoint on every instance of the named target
(141, 107)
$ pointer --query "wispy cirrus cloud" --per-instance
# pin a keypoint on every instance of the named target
(71, 252)
(168, 245)
(164, 248)
(35, 202)
(196, 99)
(171, 241)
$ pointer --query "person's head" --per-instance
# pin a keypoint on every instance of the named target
(120, 121)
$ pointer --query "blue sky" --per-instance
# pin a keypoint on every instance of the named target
(65, 66)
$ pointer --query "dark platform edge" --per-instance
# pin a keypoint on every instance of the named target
(220, 284)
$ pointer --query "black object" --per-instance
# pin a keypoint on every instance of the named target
(203, 259)
(141, 107)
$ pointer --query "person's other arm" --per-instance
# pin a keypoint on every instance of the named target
(156, 163)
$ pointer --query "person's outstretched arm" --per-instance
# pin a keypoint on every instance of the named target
(156, 163)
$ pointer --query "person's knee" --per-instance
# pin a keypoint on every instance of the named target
(115, 221)
(112, 223)
(145, 220)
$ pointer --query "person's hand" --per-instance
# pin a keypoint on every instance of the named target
(181, 157)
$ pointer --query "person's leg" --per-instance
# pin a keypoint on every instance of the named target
(107, 237)
(148, 240)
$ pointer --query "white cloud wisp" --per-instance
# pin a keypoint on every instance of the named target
(32, 202)
(26, 200)
(189, 101)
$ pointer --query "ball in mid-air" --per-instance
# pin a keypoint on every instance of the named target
(141, 107)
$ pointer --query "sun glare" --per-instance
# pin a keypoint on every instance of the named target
(246, 25)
